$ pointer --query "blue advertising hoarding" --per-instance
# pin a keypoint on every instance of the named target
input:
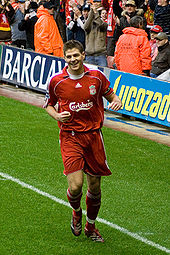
(27, 68)
(142, 97)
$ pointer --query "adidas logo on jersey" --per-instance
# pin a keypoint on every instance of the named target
(78, 85)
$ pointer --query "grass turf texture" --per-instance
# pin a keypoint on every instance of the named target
(134, 197)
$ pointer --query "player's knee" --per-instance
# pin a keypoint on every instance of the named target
(94, 184)
(75, 182)
(94, 187)
(75, 188)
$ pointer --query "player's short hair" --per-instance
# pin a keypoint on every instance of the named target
(136, 21)
(73, 44)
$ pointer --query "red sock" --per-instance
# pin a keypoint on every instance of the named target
(93, 202)
(74, 201)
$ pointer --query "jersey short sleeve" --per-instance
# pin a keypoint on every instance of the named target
(50, 98)
(106, 90)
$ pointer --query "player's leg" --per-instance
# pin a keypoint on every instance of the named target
(74, 194)
(73, 164)
(93, 202)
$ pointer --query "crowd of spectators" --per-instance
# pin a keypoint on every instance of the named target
(127, 35)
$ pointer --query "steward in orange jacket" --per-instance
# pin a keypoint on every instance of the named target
(47, 39)
(133, 51)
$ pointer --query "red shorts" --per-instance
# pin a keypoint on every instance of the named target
(84, 151)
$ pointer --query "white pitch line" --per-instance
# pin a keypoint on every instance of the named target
(110, 224)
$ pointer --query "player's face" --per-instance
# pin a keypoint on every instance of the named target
(74, 59)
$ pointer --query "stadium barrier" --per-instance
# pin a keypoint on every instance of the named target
(142, 97)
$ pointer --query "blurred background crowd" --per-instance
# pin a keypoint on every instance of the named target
(127, 35)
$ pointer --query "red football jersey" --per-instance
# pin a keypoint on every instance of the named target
(81, 97)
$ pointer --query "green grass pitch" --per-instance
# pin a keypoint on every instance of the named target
(134, 197)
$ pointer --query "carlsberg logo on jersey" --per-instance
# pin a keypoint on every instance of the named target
(80, 106)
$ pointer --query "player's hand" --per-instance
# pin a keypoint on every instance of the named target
(116, 104)
(64, 116)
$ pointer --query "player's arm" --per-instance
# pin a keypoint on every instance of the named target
(115, 102)
(62, 117)
(51, 102)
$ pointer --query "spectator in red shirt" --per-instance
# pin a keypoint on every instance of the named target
(154, 48)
